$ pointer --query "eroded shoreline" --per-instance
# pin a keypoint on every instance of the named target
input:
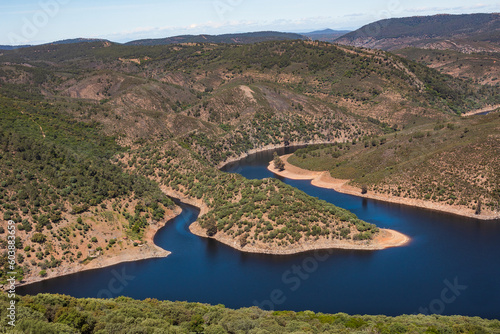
(323, 179)
(482, 110)
(148, 250)
(385, 239)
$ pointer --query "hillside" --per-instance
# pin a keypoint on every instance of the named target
(454, 164)
(465, 33)
(482, 68)
(79, 40)
(70, 203)
(48, 314)
(103, 131)
(243, 38)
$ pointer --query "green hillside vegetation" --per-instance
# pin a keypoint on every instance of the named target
(251, 211)
(455, 162)
(227, 99)
(314, 69)
(47, 314)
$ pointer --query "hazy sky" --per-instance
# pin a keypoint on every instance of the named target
(41, 21)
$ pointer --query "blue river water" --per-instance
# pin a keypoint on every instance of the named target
(450, 267)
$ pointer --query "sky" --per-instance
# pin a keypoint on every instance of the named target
(43, 21)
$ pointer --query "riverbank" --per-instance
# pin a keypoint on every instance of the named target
(324, 180)
(147, 250)
(482, 110)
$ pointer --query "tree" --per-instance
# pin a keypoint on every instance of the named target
(243, 240)
(38, 238)
(286, 140)
(478, 207)
(364, 189)
(278, 163)
(211, 227)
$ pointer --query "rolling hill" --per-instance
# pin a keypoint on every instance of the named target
(64, 41)
(243, 38)
(480, 67)
(13, 47)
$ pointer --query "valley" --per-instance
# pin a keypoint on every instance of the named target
(153, 157)
(161, 118)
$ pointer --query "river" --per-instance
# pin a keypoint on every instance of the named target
(450, 267)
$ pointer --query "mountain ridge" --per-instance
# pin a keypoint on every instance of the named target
(465, 32)
(239, 38)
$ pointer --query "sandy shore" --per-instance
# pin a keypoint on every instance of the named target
(148, 250)
(385, 239)
(324, 180)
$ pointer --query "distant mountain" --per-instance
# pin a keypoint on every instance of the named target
(327, 31)
(465, 33)
(13, 47)
(244, 38)
(326, 35)
(79, 40)
(64, 41)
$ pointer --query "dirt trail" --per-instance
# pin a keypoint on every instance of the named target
(41, 129)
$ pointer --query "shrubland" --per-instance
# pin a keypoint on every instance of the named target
(47, 313)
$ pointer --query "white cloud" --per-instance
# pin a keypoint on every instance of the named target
(458, 9)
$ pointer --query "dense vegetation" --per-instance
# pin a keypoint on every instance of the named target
(47, 314)
(224, 100)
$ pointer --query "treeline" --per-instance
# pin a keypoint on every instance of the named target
(60, 314)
